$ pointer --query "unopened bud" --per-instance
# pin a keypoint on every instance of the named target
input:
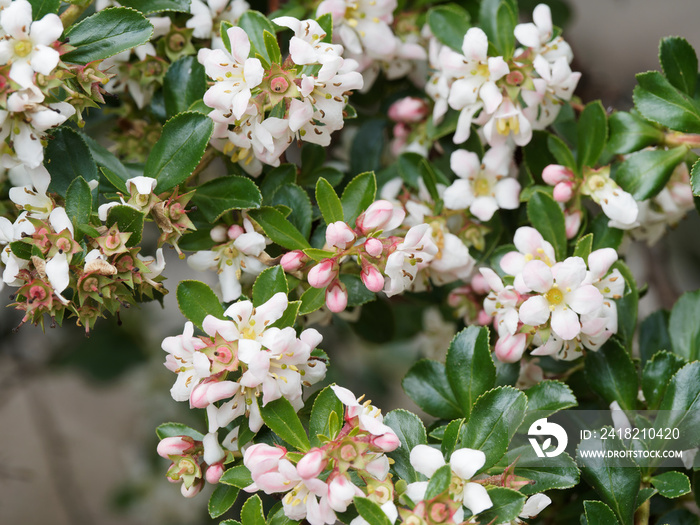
(510, 348)
(312, 464)
(174, 446)
(218, 233)
(483, 318)
(372, 278)
(340, 235)
(408, 109)
(323, 273)
(234, 231)
(387, 442)
(572, 222)
(336, 297)
(479, 284)
(195, 489)
(293, 261)
(214, 473)
(374, 247)
(563, 191)
(381, 215)
(554, 174)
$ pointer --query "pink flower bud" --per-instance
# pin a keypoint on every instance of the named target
(293, 261)
(386, 442)
(312, 464)
(372, 278)
(340, 235)
(483, 318)
(408, 109)
(261, 458)
(218, 233)
(554, 174)
(323, 273)
(374, 247)
(193, 490)
(401, 131)
(572, 222)
(209, 392)
(381, 215)
(214, 473)
(234, 231)
(175, 446)
(480, 285)
(510, 348)
(336, 297)
(563, 191)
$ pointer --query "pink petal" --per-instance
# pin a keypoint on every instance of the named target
(537, 276)
(600, 262)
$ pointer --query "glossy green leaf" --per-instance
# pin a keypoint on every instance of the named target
(326, 23)
(612, 375)
(370, 511)
(645, 173)
(449, 23)
(498, 19)
(222, 499)
(427, 385)
(277, 228)
(358, 294)
(546, 216)
(326, 417)
(66, 158)
(680, 63)
(546, 398)
(592, 134)
(106, 33)
(196, 300)
(21, 249)
(656, 375)
(216, 197)
(255, 24)
(629, 132)
(295, 198)
(40, 8)
(358, 195)
(469, 366)
(281, 418)
(439, 482)
(671, 484)
(275, 179)
(105, 159)
(311, 300)
(128, 220)
(238, 476)
(657, 100)
(561, 152)
(680, 407)
(451, 436)
(507, 505)
(584, 246)
(684, 328)
(272, 47)
(177, 429)
(328, 202)
(179, 149)
(252, 511)
(598, 513)
(627, 306)
(367, 148)
(559, 472)
(185, 83)
(79, 202)
(158, 6)
(276, 516)
(605, 236)
(270, 282)
(411, 432)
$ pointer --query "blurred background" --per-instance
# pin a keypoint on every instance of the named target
(77, 439)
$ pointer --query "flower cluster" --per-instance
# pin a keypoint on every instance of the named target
(558, 307)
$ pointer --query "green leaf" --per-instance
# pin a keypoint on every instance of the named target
(179, 149)
(680, 406)
(178, 429)
(216, 197)
(645, 494)
(507, 505)
(326, 417)
(275, 179)
(184, 84)
(268, 283)
(411, 432)
(358, 195)
(276, 516)
(326, 23)
(546, 216)
(297, 200)
(615, 479)
(657, 100)
(605, 236)
(656, 375)
(629, 132)
(68, 157)
(558, 472)
(272, 47)
(598, 513)
(592, 134)
(367, 147)
(255, 24)
(546, 398)
(680, 63)
(495, 418)
(106, 33)
(671, 484)
(128, 220)
(684, 328)
(196, 300)
(358, 294)
(238, 476)
(627, 306)
(439, 482)
(469, 366)
(584, 247)
(679, 517)
(427, 385)
(21, 249)
(40, 8)
(222, 499)
(289, 316)
(612, 375)
(280, 417)
(370, 511)
(252, 511)
(653, 335)
(645, 173)
(311, 300)
(498, 19)
(328, 202)
(277, 228)
(79, 202)
(158, 6)
(561, 152)
(449, 23)
(223, 31)
(451, 436)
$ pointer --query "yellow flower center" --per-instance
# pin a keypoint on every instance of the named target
(482, 187)
(507, 125)
(23, 48)
(554, 296)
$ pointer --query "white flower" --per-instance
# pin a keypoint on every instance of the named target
(508, 124)
(26, 44)
(618, 205)
(538, 36)
(207, 15)
(414, 253)
(34, 198)
(185, 359)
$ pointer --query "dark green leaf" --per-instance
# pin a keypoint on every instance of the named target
(270, 282)
(68, 157)
(584, 247)
(451, 436)
(695, 178)
(611, 374)
(370, 511)
(498, 19)
(326, 23)
(645, 494)
(592, 134)
(238, 476)
(367, 148)
(449, 23)
(546, 216)
(627, 306)
(255, 24)
(680, 63)
(275, 179)
(671, 484)
(598, 513)
(629, 132)
(223, 31)
(106, 33)
(679, 517)
(326, 417)
(328, 202)
(113, 169)
(222, 499)
(79, 202)
(358, 195)
(297, 200)
(645, 173)
(196, 300)
(653, 335)
(439, 482)
(280, 417)
(311, 300)
(179, 149)
(657, 100)
(605, 236)
(252, 511)
(507, 505)
(680, 406)
(657, 373)
(559, 472)
(158, 6)
(546, 398)
(469, 366)
(21, 249)
(216, 197)
(128, 220)
(561, 152)
(277, 228)
(178, 429)
(358, 294)
(185, 82)
(684, 328)
(40, 8)
(427, 385)
(411, 432)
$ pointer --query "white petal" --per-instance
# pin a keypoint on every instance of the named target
(476, 499)
(58, 273)
(466, 462)
(565, 323)
(534, 311)
(426, 460)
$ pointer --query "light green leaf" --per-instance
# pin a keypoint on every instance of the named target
(546, 216)
(252, 511)
(216, 197)
(592, 134)
(326, 417)
(584, 247)
(196, 300)
(311, 300)
(289, 316)
(255, 24)
(272, 47)
(439, 482)
(177, 429)
(280, 417)
(40, 8)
